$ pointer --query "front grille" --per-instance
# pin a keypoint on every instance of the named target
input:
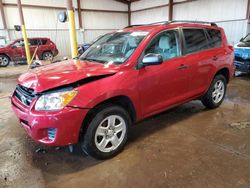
(25, 95)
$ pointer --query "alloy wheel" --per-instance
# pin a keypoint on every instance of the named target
(4, 61)
(110, 133)
(218, 91)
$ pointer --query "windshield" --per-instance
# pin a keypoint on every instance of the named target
(247, 38)
(114, 48)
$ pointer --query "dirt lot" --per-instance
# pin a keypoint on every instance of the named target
(188, 146)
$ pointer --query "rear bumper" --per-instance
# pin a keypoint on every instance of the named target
(66, 122)
(242, 66)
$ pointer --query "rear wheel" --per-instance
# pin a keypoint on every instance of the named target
(4, 61)
(107, 133)
(48, 56)
(216, 92)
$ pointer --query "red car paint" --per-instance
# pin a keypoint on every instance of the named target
(151, 89)
(17, 53)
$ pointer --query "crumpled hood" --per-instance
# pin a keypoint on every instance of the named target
(63, 73)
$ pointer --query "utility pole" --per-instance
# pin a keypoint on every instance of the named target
(72, 29)
(170, 10)
(129, 13)
(26, 43)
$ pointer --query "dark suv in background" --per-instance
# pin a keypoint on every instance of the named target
(15, 50)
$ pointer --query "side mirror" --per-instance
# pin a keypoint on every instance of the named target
(152, 59)
(13, 46)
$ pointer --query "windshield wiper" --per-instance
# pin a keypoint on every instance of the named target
(93, 60)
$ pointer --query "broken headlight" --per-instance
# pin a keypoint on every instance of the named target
(55, 101)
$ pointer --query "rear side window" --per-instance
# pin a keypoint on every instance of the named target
(195, 40)
(214, 38)
(43, 41)
(33, 42)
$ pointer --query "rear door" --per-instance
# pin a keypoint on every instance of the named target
(33, 44)
(161, 86)
(198, 59)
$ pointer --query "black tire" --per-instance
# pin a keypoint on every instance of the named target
(4, 61)
(209, 100)
(89, 140)
(48, 56)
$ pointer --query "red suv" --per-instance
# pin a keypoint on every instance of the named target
(15, 50)
(122, 78)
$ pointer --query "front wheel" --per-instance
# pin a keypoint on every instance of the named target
(107, 133)
(216, 92)
(4, 61)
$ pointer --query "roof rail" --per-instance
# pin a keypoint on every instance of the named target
(175, 21)
(135, 25)
(190, 21)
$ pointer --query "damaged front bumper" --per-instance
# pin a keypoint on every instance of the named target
(58, 128)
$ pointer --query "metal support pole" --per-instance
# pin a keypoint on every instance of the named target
(25, 38)
(79, 11)
(170, 10)
(248, 10)
(129, 13)
(72, 29)
(2, 15)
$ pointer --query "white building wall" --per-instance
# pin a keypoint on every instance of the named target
(151, 15)
(217, 11)
(98, 23)
(43, 22)
(221, 11)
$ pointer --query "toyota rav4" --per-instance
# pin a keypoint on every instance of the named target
(124, 77)
(14, 50)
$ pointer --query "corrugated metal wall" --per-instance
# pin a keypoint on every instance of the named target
(42, 22)
(230, 14)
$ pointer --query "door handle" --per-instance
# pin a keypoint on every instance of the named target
(215, 58)
(182, 67)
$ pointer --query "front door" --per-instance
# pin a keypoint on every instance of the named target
(18, 50)
(161, 86)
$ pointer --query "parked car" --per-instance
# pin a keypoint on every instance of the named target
(15, 50)
(242, 55)
(122, 78)
(82, 48)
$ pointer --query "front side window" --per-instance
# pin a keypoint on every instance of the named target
(166, 44)
(214, 38)
(195, 40)
(19, 44)
(114, 48)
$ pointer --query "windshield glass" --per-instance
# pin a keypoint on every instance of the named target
(114, 48)
(247, 38)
